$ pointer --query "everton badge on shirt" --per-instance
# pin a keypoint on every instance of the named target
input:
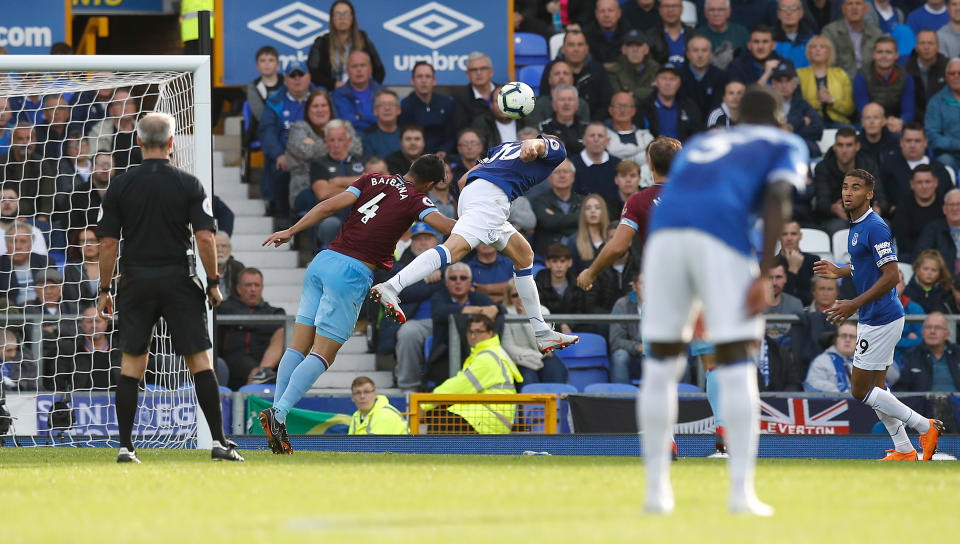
(854, 241)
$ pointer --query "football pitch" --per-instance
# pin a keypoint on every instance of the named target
(83, 495)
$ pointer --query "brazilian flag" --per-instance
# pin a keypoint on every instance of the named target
(299, 421)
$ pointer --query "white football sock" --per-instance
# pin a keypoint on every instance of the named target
(884, 401)
(658, 414)
(898, 432)
(527, 289)
(425, 264)
(740, 406)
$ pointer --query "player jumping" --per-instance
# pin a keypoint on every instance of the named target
(338, 278)
(699, 252)
(873, 267)
(487, 189)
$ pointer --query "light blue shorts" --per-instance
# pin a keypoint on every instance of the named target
(334, 288)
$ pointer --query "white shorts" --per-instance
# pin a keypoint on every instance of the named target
(482, 212)
(875, 345)
(685, 270)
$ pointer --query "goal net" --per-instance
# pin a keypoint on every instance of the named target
(67, 127)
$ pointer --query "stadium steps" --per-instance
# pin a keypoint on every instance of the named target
(282, 278)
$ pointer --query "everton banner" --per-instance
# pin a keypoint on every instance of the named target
(441, 32)
(592, 414)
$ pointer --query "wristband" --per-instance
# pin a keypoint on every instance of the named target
(213, 282)
(107, 289)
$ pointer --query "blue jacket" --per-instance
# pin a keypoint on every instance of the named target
(795, 50)
(350, 108)
(942, 122)
(917, 368)
(280, 113)
(436, 119)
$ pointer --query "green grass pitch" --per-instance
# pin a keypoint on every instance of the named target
(81, 495)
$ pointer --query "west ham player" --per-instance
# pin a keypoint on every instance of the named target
(633, 221)
(487, 189)
(699, 252)
(338, 278)
(873, 267)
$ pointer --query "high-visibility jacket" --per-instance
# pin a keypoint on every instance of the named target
(383, 418)
(488, 370)
(190, 18)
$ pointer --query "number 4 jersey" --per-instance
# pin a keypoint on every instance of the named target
(386, 206)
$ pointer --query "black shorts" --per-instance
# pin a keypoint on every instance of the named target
(144, 298)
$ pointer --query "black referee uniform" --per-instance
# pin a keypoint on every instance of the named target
(153, 205)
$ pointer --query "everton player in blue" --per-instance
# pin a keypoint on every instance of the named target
(873, 268)
(699, 254)
(508, 170)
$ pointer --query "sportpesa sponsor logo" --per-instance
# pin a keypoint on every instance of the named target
(433, 26)
(296, 25)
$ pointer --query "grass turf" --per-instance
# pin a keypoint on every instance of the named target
(83, 495)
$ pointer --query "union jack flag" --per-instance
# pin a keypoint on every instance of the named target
(803, 416)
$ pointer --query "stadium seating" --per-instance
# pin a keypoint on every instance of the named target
(529, 49)
(826, 140)
(952, 173)
(427, 346)
(840, 253)
(531, 76)
(816, 241)
(906, 40)
(259, 388)
(251, 147)
(557, 388)
(907, 270)
(587, 360)
(224, 390)
(611, 388)
(687, 388)
(556, 42)
(689, 15)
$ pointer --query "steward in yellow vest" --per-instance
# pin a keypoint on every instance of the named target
(375, 414)
(488, 370)
(190, 19)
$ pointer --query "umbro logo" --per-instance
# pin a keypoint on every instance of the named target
(296, 25)
(433, 25)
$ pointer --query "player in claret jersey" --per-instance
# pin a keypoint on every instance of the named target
(508, 170)
(338, 278)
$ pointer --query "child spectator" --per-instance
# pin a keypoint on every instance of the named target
(627, 179)
(931, 286)
(558, 285)
(258, 90)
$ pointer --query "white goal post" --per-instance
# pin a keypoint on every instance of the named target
(176, 84)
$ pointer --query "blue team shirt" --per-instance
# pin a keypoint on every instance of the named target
(503, 167)
(717, 183)
(871, 246)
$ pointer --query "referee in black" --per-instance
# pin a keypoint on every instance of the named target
(153, 206)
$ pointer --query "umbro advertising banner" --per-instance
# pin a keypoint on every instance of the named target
(592, 414)
(440, 32)
(30, 28)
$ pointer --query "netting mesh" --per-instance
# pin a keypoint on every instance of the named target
(483, 414)
(63, 137)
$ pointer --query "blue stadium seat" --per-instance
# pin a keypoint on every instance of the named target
(611, 388)
(529, 49)
(427, 346)
(687, 388)
(247, 118)
(558, 388)
(587, 360)
(259, 388)
(224, 390)
(148, 387)
(906, 40)
(531, 76)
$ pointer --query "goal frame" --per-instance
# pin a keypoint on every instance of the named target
(202, 142)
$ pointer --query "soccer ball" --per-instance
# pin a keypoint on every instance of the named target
(516, 100)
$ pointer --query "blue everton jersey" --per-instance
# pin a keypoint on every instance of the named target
(503, 167)
(717, 183)
(871, 246)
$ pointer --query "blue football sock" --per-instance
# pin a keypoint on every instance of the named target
(288, 363)
(301, 380)
(713, 396)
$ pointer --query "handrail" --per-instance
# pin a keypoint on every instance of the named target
(245, 319)
(97, 27)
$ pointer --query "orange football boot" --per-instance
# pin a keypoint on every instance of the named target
(894, 455)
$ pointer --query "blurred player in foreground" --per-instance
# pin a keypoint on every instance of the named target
(873, 268)
(338, 278)
(486, 191)
(699, 253)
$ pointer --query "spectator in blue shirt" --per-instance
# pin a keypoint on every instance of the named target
(756, 64)
(491, 272)
(354, 100)
(282, 110)
(430, 110)
(792, 32)
(930, 16)
(383, 138)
